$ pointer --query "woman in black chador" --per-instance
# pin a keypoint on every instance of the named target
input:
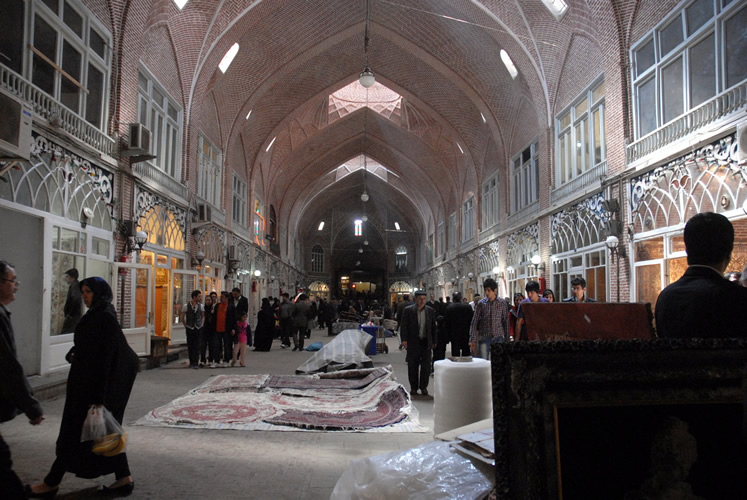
(265, 327)
(102, 372)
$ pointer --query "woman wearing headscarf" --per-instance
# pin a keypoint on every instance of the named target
(265, 327)
(102, 372)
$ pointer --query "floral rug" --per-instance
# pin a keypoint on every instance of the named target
(364, 401)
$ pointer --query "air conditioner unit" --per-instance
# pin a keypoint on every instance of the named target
(139, 142)
(15, 127)
(204, 213)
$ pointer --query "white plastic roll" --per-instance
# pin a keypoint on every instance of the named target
(463, 393)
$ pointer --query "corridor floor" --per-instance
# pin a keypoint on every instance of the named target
(184, 463)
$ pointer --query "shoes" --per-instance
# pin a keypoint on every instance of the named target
(295, 348)
(121, 491)
(283, 346)
(213, 365)
(47, 494)
(413, 392)
(233, 362)
(224, 364)
(424, 392)
(243, 366)
(202, 364)
(195, 367)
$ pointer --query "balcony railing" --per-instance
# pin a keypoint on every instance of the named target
(167, 183)
(708, 112)
(50, 109)
(576, 184)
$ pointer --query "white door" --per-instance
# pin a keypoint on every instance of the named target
(185, 282)
(132, 285)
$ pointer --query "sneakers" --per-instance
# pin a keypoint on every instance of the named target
(295, 348)
(213, 365)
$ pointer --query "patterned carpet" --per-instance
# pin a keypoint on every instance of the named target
(367, 400)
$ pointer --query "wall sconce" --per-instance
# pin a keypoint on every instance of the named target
(199, 257)
(141, 238)
(257, 273)
(470, 275)
(496, 270)
(612, 242)
(136, 240)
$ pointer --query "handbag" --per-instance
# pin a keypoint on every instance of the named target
(107, 436)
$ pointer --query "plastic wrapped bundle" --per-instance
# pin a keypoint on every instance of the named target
(463, 393)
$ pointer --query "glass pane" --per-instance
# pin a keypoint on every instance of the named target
(702, 66)
(142, 82)
(179, 297)
(582, 107)
(671, 90)
(577, 261)
(157, 98)
(649, 249)
(95, 97)
(647, 107)
(53, 4)
(59, 323)
(677, 268)
(670, 36)
(100, 247)
(648, 283)
(582, 147)
(597, 117)
(697, 15)
(564, 120)
(736, 48)
(45, 41)
(73, 20)
(597, 93)
(173, 112)
(644, 57)
(678, 244)
(68, 240)
(99, 268)
(97, 43)
(71, 63)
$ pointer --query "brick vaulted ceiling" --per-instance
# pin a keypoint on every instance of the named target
(441, 56)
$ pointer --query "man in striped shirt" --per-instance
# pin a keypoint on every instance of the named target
(490, 322)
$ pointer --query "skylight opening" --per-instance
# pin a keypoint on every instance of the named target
(180, 3)
(460, 148)
(249, 114)
(271, 143)
(481, 116)
(321, 226)
(557, 8)
(509, 64)
(228, 58)
(396, 226)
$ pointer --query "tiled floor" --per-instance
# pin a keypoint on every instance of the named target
(180, 463)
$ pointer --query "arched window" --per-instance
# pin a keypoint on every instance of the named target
(317, 259)
(400, 259)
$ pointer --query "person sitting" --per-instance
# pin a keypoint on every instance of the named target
(702, 303)
(578, 286)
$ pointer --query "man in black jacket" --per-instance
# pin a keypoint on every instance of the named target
(458, 320)
(702, 303)
(418, 331)
(15, 392)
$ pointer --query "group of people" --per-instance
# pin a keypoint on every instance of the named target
(102, 372)
(218, 331)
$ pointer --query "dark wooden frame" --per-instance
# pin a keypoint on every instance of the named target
(532, 379)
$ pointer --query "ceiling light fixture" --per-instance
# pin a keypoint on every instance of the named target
(366, 78)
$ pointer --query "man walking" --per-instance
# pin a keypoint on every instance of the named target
(285, 315)
(15, 392)
(490, 322)
(418, 330)
(193, 315)
(458, 319)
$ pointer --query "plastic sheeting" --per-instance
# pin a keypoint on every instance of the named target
(463, 393)
(431, 471)
(346, 351)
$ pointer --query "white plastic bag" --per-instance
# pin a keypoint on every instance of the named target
(102, 428)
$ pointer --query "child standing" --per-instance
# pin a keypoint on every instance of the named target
(243, 331)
